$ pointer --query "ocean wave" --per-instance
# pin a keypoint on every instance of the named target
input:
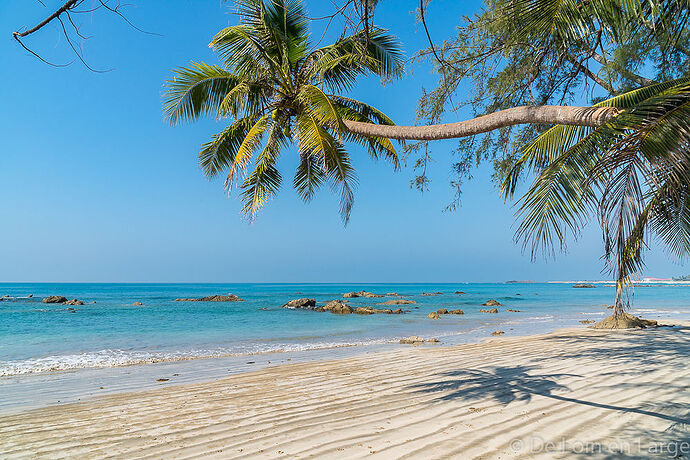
(119, 358)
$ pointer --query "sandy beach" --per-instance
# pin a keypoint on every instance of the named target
(568, 394)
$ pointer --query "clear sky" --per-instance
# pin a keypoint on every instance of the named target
(96, 187)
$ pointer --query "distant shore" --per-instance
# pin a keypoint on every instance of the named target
(509, 396)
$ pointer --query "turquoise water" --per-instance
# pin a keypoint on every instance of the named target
(37, 337)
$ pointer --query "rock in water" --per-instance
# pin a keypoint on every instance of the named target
(584, 285)
(338, 307)
(492, 303)
(587, 321)
(214, 298)
(364, 311)
(352, 295)
(416, 340)
(434, 315)
(456, 312)
(442, 311)
(514, 311)
(491, 310)
(137, 304)
(54, 299)
(460, 292)
(301, 303)
(398, 302)
(74, 302)
(625, 321)
(497, 333)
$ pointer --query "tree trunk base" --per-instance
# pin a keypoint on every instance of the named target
(624, 321)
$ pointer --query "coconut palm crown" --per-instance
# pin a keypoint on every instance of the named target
(276, 89)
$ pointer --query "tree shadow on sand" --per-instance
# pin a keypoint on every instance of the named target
(515, 383)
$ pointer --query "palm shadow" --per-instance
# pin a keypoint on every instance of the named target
(515, 383)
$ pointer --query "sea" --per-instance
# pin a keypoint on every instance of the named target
(109, 331)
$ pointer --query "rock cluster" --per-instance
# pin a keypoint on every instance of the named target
(490, 310)
(352, 295)
(514, 311)
(434, 315)
(398, 302)
(214, 298)
(73, 302)
(416, 340)
(584, 285)
(371, 311)
(432, 293)
(445, 311)
(337, 307)
(587, 321)
(497, 333)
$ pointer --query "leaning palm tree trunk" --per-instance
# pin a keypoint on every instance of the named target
(544, 114)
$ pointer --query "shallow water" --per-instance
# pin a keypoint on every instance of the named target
(37, 337)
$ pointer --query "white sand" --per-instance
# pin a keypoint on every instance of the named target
(582, 390)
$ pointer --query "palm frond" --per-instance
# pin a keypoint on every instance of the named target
(250, 144)
(197, 90)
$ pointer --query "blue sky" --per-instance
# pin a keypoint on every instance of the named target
(97, 187)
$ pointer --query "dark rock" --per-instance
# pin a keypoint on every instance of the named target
(214, 298)
(584, 285)
(460, 292)
(491, 310)
(364, 311)
(305, 303)
(432, 293)
(456, 312)
(514, 311)
(54, 299)
(442, 311)
(492, 303)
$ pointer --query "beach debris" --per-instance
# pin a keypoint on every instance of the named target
(162, 380)
(497, 333)
(625, 321)
(398, 302)
(301, 303)
(214, 298)
(54, 299)
(583, 285)
(491, 310)
(337, 307)
(460, 292)
(416, 340)
(73, 302)
(492, 303)
(137, 304)
(434, 315)
(587, 321)
(352, 295)
(514, 311)
(442, 311)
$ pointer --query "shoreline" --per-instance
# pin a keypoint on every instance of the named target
(471, 400)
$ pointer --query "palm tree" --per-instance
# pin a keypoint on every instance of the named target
(633, 173)
(277, 90)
